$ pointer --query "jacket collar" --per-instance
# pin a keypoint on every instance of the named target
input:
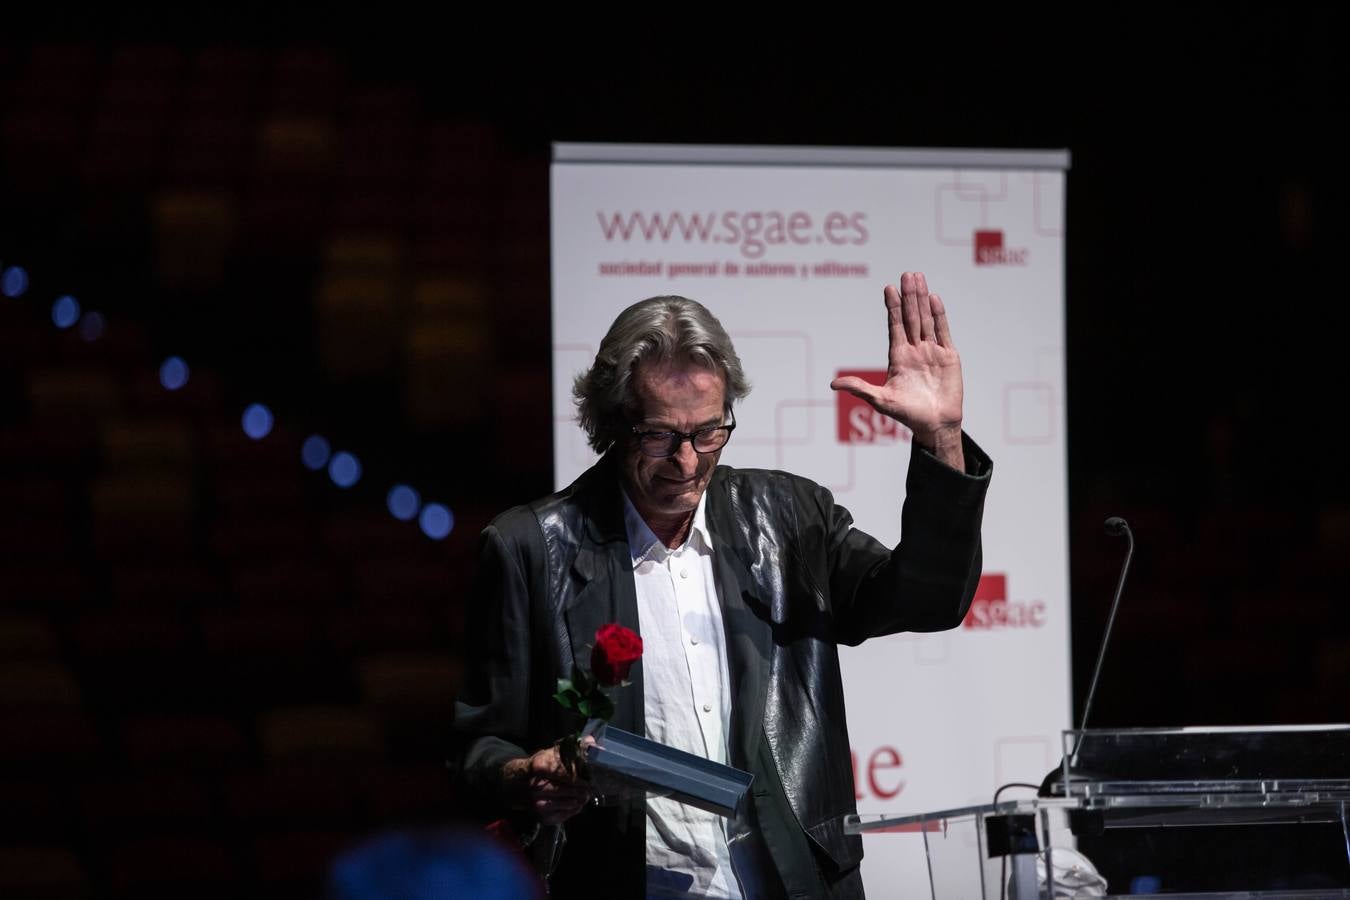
(748, 635)
(605, 591)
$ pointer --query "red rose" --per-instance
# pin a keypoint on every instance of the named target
(616, 649)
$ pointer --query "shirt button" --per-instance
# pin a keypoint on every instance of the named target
(684, 573)
(693, 639)
(707, 707)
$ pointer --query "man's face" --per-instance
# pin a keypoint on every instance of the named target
(674, 397)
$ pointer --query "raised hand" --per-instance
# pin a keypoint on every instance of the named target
(923, 388)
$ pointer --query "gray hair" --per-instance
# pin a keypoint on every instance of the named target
(659, 329)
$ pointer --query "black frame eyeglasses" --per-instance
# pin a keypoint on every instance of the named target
(662, 444)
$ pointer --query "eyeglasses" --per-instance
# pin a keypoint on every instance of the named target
(660, 444)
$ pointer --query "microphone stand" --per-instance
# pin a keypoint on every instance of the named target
(1054, 783)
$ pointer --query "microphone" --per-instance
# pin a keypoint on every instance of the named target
(1115, 526)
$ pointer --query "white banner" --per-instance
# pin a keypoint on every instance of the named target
(790, 248)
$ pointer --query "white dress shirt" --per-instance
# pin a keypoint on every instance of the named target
(686, 689)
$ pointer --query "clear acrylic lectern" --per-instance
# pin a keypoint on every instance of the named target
(1183, 782)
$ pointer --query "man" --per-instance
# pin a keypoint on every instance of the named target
(742, 584)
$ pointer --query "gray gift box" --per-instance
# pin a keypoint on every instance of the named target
(667, 772)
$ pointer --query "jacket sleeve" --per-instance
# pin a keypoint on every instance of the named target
(491, 724)
(928, 581)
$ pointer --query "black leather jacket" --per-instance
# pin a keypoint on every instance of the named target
(795, 578)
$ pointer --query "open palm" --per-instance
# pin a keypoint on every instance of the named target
(923, 373)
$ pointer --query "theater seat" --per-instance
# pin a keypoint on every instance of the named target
(42, 873)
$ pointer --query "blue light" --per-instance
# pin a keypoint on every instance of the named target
(257, 421)
(65, 311)
(314, 452)
(91, 326)
(1145, 884)
(403, 502)
(437, 521)
(345, 469)
(173, 374)
(14, 282)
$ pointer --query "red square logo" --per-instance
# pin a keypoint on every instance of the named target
(991, 610)
(857, 422)
(988, 247)
(991, 587)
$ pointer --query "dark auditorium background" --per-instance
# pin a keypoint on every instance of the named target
(218, 669)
